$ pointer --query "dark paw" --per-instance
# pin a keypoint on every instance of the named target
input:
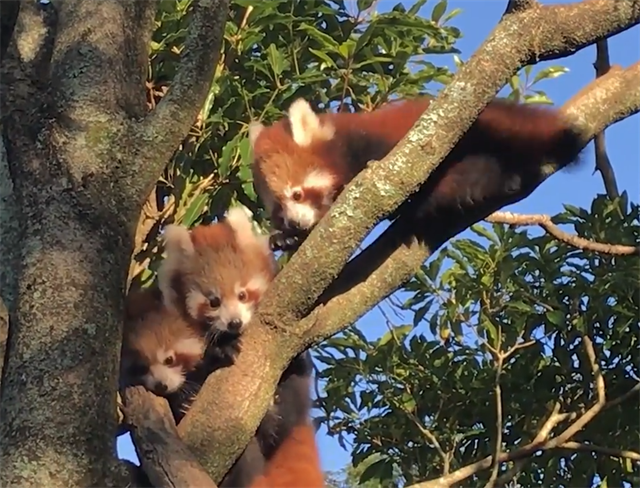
(283, 241)
(223, 351)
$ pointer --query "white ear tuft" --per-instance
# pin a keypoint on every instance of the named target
(239, 218)
(177, 239)
(306, 125)
(255, 128)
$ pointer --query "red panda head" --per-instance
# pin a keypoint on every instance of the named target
(159, 349)
(297, 171)
(216, 274)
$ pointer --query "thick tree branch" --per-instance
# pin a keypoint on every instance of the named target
(240, 397)
(520, 38)
(164, 458)
(544, 221)
(391, 260)
(166, 126)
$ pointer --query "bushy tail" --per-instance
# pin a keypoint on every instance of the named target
(522, 135)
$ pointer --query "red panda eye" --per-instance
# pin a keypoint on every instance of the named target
(214, 302)
(242, 296)
(296, 195)
(168, 361)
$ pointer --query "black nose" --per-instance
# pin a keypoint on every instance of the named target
(161, 388)
(234, 325)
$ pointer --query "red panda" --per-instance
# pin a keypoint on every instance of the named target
(303, 161)
(159, 347)
(209, 284)
(296, 464)
(216, 274)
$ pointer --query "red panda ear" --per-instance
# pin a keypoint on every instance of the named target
(239, 218)
(178, 244)
(306, 125)
(177, 239)
(255, 128)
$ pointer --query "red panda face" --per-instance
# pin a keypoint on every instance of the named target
(293, 171)
(222, 270)
(159, 349)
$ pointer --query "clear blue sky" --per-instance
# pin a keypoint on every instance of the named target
(476, 21)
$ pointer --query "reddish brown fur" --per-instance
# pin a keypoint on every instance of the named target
(150, 326)
(507, 140)
(226, 260)
(296, 464)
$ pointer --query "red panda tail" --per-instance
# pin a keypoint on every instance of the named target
(521, 135)
(295, 464)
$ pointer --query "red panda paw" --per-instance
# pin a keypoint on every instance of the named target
(285, 240)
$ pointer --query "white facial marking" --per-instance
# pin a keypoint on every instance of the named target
(194, 300)
(304, 214)
(191, 346)
(259, 283)
(159, 373)
(301, 214)
(319, 179)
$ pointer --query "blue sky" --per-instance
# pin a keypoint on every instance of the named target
(476, 21)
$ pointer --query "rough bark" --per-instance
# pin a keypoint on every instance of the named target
(73, 106)
(165, 459)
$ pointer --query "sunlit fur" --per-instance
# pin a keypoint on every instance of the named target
(296, 464)
(303, 161)
(216, 273)
(159, 347)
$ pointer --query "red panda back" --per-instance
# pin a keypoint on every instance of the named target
(296, 464)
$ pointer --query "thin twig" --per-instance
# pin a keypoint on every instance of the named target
(603, 164)
(544, 221)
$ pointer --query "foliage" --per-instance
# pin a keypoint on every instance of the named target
(337, 54)
(425, 403)
(397, 394)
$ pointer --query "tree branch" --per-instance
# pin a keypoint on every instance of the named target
(541, 441)
(603, 164)
(166, 126)
(392, 258)
(520, 38)
(619, 453)
(164, 458)
(544, 221)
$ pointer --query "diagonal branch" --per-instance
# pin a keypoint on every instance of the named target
(166, 126)
(391, 260)
(520, 38)
(544, 221)
(164, 458)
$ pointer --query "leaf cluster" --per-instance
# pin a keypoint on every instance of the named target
(423, 394)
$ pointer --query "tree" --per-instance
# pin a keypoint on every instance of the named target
(86, 184)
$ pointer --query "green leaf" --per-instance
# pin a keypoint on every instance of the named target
(195, 210)
(550, 72)
(364, 5)
(439, 10)
(380, 470)
(325, 40)
(324, 57)
(275, 58)
(556, 317)
(416, 7)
